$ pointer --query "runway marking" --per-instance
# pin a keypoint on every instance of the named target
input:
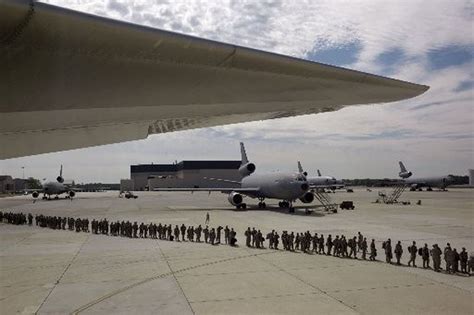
(136, 284)
(64, 272)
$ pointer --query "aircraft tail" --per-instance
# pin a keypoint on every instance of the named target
(300, 168)
(243, 153)
(402, 167)
(61, 171)
(319, 173)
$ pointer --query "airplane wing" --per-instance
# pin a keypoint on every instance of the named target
(245, 191)
(71, 80)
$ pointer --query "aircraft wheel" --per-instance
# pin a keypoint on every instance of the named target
(429, 189)
(244, 206)
(291, 210)
(280, 205)
(264, 205)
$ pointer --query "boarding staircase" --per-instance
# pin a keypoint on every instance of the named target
(325, 200)
(396, 193)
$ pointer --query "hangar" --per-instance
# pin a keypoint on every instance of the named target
(185, 174)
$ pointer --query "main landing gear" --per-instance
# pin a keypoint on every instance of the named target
(262, 204)
(287, 204)
(242, 206)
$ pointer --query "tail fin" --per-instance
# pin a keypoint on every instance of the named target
(300, 168)
(319, 173)
(61, 171)
(245, 160)
(402, 167)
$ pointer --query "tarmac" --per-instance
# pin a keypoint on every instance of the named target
(58, 272)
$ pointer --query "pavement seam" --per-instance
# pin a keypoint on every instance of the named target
(174, 276)
(136, 284)
(309, 284)
(63, 273)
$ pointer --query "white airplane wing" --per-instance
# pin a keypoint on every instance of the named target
(245, 191)
(71, 80)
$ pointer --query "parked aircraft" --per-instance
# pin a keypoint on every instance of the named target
(429, 182)
(128, 81)
(321, 182)
(55, 188)
(287, 187)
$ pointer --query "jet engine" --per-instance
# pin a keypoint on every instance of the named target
(71, 194)
(307, 197)
(35, 194)
(60, 179)
(235, 199)
(247, 169)
(405, 174)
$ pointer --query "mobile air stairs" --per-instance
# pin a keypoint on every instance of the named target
(325, 200)
(396, 193)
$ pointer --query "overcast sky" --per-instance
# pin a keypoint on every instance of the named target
(426, 42)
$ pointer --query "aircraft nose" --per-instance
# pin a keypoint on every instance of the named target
(304, 187)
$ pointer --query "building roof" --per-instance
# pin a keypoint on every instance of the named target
(184, 165)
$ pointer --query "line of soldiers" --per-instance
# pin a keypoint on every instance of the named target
(340, 246)
(453, 259)
(127, 229)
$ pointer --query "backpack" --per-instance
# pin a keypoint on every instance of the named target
(383, 245)
(420, 251)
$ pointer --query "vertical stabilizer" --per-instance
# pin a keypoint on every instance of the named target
(300, 168)
(402, 167)
(61, 171)
(245, 160)
(319, 173)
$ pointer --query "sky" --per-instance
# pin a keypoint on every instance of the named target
(404, 39)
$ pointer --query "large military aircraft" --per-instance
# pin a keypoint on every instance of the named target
(55, 188)
(287, 187)
(440, 182)
(321, 182)
(71, 80)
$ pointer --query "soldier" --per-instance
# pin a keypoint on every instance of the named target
(436, 254)
(135, 228)
(344, 247)
(254, 237)
(198, 233)
(321, 245)
(448, 257)
(276, 237)
(63, 223)
(212, 236)
(399, 252)
(359, 241)
(373, 251)
(329, 245)
(232, 237)
(191, 233)
(259, 240)
(270, 239)
(30, 219)
(248, 236)
(456, 259)
(425, 255)
(463, 260)
(315, 241)
(388, 251)
(354, 247)
(412, 250)
(297, 241)
(226, 234)
(218, 234)
(291, 241)
(206, 234)
(363, 248)
(183, 232)
(336, 246)
(176, 233)
(208, 219)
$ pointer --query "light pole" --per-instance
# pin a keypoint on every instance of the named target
(23, 168)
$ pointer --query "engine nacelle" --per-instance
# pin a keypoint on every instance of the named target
(405, 174)
(35, 194)
(307, 197)
(71, 193)
(235, 199)
(60, 179)
(247, 169)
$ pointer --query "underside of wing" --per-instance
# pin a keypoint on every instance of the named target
(223, 190)
(71, 80)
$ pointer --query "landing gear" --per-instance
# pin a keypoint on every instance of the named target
(284, 204)
(262, 204)
(429, 189)
(44, 197)
(242, 206)
(56, 197)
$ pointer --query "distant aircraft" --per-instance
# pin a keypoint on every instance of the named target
(321, 182)
(287, 187)
(81, 80)
(55, 188)
(429, 182)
